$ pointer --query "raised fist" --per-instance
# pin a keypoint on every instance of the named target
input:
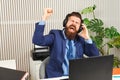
(47, 12)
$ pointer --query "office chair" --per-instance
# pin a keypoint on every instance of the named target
(42, 68)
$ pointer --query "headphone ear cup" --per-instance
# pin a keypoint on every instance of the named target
(64, 22)
(80, 29)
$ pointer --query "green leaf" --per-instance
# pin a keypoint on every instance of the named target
(89, 9)
(110, 45)
(98, 41)
(116, 62)
(115, 42)
(86, 21)
(94, 7)
(96, 25)
(111, 32)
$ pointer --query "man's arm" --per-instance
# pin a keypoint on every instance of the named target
(90, 47)
(38, 37)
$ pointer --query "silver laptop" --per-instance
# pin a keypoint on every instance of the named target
(94, 68)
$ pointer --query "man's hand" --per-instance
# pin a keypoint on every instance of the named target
(84, 32)
(47, 12)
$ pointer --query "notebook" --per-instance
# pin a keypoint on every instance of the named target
(94, 68)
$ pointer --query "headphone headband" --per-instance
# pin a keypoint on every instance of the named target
(77, 14)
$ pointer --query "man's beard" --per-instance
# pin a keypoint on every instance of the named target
(70, 35)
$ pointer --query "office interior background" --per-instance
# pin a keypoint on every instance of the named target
(18, 18)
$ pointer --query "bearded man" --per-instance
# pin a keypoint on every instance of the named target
(70, 43)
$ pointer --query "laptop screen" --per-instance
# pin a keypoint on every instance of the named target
(94, 68)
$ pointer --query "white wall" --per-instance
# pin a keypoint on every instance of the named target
(19, 16)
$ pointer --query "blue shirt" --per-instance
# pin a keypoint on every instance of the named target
(65, 64)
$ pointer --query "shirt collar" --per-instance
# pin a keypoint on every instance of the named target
(64, 35)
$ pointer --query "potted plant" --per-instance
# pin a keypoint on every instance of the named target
(104, 37)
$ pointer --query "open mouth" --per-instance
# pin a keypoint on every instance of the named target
(72, 28)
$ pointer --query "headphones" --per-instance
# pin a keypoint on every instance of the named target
(73, 14)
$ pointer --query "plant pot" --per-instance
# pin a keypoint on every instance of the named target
(116, 71)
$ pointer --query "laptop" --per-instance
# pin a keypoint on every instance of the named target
(93, 68)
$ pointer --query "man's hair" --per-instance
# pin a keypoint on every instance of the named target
(77, 14)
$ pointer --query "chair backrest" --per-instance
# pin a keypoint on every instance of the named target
(42, 68)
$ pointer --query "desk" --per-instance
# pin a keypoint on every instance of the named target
(57, 78)
(4, 63)
(115, 77)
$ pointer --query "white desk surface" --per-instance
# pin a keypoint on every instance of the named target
(57, 78)
(8, 64)
(115, 77)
